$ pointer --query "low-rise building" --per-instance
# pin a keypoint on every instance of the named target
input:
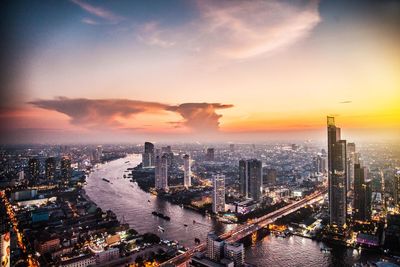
(80, 261)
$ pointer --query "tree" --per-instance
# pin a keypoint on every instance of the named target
(151, 238)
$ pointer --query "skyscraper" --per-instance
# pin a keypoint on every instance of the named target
(270, 175)
(99, 153)
(218, 204)
(161, 172)
(210, 154)
(148, 155)
(396, 186)
(34, 170)
(337, 175)
(148, 147)
(187, 181)
(167, 151)
(50, 168)
(243, 181)
(65, 167)
(351, 155)
(157, 171)
(250, 178)
(320, 163)
(362, 194)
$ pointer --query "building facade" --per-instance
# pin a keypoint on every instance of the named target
(251, 179)
(148, 155)
(66, 171)
(362, 195)
(235, 252)
(210, 156)
(161, 172)
(337, 175)
(218, 204)
(187, 179)
(50, 169)
(34, 170)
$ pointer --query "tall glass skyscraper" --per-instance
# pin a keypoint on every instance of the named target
(362, 194)
(337, 175)
(250, 178)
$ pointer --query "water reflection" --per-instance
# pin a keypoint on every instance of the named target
(127, 199)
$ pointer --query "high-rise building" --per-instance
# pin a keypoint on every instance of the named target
(337, 175)
(351, 157)
(215, 247)
(50, 169)
(320, 164)
(161, 172)
(66, 171)
(324, 164)
(362, 194)
(218, 204)
(34, 170)
(210, 154)
(167, 151)
(396, 195)
(270, 176)
(368, 199)
(157, 171)
(187, 180)
(148, 147)
(250, 178)
(99, 153)
(235, 252)
(148, 155)
(243, 181)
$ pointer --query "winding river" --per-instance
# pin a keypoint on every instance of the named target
(134, 206)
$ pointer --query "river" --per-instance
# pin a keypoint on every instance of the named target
(133, 205)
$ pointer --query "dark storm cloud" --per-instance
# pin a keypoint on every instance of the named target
(92, 113)
(200, 116)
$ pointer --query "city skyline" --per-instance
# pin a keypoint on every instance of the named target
(116, 71)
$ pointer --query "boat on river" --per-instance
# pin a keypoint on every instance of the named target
(160, 215)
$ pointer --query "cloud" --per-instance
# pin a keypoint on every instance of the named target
(201, 117)
(100, 12)
(90, 21)
(152, 34)
(106, 113)
(243, 29)
(238, 29)
(94, 113)
(346, 102)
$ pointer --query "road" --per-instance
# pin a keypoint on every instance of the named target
(251, 227)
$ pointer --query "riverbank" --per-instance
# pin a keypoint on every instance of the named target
(133, 203)
(130, 203)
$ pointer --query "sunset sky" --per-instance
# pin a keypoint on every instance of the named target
(127, 71)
